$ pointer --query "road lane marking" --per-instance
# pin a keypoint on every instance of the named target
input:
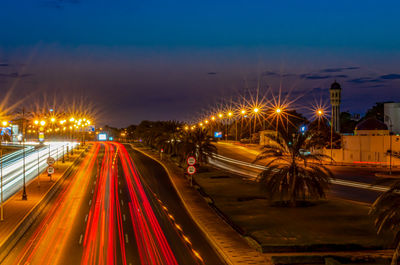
(92, 191)
(87, 215)
(80, 239)
(90, 202)
(120, 191)
(122, 202)
(126, 238)
(124, 217)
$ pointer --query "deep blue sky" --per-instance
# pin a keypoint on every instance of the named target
(151, 59)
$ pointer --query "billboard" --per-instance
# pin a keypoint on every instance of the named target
(217, 134)
(102, 137)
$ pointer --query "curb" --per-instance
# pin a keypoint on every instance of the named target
(20, 229)
(220, 252)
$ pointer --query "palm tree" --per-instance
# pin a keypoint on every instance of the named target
(293, 173)
(197, 143)
(386, 210)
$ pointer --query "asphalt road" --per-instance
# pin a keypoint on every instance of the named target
(157, 181)
(356, 174)
(105, 213)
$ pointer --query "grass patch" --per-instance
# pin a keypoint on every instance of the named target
(325, 225)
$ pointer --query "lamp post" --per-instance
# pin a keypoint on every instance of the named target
(227, 122)
(256, 111)
(1, 184)
(390, 144)
(24, 195)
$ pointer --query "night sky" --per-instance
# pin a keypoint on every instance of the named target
(166, 60)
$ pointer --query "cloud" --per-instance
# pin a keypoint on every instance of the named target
(339, 69)
(364, 80)
(390, 76)
(211, 73)
(4, 64)
(15, 75)
(317, 77)
(269, 73)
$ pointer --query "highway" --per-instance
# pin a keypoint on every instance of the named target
(350, 183)
(106, 214)
(35, 162)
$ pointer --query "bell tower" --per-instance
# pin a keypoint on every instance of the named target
(335, 92)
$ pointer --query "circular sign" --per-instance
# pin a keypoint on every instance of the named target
(191, 160)
(50, 161)
(50, 170)
(191, 170)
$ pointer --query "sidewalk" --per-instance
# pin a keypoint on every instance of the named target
(228, 243)
(20, 214)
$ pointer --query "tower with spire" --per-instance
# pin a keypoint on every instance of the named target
(335, 93)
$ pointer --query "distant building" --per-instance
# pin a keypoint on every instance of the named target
(392, 116)
(335, 95)
(371, 126)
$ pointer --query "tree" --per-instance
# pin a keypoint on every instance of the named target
(293, 173)
(197, 143)
(386, 210)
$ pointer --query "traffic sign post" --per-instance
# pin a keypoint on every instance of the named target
(191, 170)
(50, 171)
(191, 161)
(50, 161)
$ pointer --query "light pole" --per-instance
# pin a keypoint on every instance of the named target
(24, 195)
(1, 184)
(255, 110)
(227, 122)
(243, 112)
(390, 144)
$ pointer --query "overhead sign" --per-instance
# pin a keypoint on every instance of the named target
(191, 170)
(102, 137)
(50, 161)
(191, 160)
(50, 170)
(218, 134)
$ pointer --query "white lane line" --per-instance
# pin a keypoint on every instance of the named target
(92, 191)
(122, 202)
(87, 215)
(124, 217)
(126, 238)
(80, 239)
(90, 202)
(120, 191)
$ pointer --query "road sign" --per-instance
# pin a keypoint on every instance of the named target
(191, 170)
(191, 160)
(50, 170)
(50, 161)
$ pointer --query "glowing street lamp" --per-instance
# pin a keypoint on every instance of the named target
(42, 123)
(53, 120)
(36, 122)
(256, 110)
(4, 123)
(213, 118)
(243, 112)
